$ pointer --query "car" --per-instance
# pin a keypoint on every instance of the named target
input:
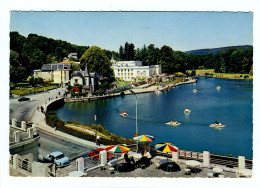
(23, 99)
(57, 158)
(95, 154)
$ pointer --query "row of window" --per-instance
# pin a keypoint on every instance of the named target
(125, 70)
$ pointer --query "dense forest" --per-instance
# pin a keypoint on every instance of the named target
(238, 59)
(31, 52)
(216, 50)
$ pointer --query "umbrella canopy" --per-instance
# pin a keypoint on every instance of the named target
(117, 149)
(144, 138)
(166, 147)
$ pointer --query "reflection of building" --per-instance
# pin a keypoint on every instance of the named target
(89, 81)
(58, 73)
(129, 70)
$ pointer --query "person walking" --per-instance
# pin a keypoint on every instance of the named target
(98, 140)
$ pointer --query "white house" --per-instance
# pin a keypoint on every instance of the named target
(129, 70)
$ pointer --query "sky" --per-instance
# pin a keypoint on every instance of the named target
(180, 30)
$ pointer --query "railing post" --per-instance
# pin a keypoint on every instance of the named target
(16, 136)
(241, 162)
(23, 125)
(14, 123)
(30, 132)
(175, 156)
(80, 164)
(206, 158)
(15, 161)
(34, 131)
(103, 157)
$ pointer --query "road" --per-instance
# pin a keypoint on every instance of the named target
(50, 142)
(23, 111)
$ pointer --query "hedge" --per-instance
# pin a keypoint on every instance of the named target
(53, 120)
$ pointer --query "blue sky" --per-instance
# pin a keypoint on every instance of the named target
(181, 30)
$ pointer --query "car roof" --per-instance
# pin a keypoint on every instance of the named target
(56, 153)
(99, 149)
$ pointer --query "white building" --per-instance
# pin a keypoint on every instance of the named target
(130, 70)
(75, 55)
(58, 73)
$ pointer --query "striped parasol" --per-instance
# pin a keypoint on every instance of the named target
(166, 147)
(144, 138)
(117, 149)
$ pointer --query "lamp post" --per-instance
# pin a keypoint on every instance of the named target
(95, 119)
(136, 132)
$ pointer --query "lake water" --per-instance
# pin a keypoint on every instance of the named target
(230, 105)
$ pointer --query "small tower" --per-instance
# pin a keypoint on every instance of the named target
(87, 76)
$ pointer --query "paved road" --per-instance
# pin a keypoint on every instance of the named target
(50, 142)
(23, 111)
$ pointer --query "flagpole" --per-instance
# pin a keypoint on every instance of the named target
(136, 114)
(136, 119)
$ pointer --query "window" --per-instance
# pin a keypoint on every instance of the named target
(76, 81)
(144, 73)
(138, 73)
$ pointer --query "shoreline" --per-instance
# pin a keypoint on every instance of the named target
(137, 90)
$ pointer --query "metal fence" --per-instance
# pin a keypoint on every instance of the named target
(190, 155)
(24, 164)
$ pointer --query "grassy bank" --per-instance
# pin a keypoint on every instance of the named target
(73, 128)
(211, 72)
(25, 90)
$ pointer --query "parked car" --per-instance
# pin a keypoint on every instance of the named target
(23, 99)
(57, 158)
(95, 154)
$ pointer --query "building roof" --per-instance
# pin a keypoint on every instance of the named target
(86, 70)
(77, 74)
(73, 54)
(52, 67)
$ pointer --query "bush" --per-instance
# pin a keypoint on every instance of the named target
(53, 120)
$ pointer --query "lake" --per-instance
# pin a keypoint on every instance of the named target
(231, 105)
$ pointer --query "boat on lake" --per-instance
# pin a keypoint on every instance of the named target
(187, 110)
(195, 90)
(173, 123)
(217, 125)
(124, 114)
(218, 87)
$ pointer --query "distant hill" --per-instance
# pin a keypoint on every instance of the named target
(216, 50)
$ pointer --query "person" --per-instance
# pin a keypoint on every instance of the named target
(147, 154)
(127, 159)
(216, 122)
(98, 140)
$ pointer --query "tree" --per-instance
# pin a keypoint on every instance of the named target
(167, 63)
(17, 71)
(97, 61)
(121, 53)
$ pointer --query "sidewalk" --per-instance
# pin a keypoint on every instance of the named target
(39, 119)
